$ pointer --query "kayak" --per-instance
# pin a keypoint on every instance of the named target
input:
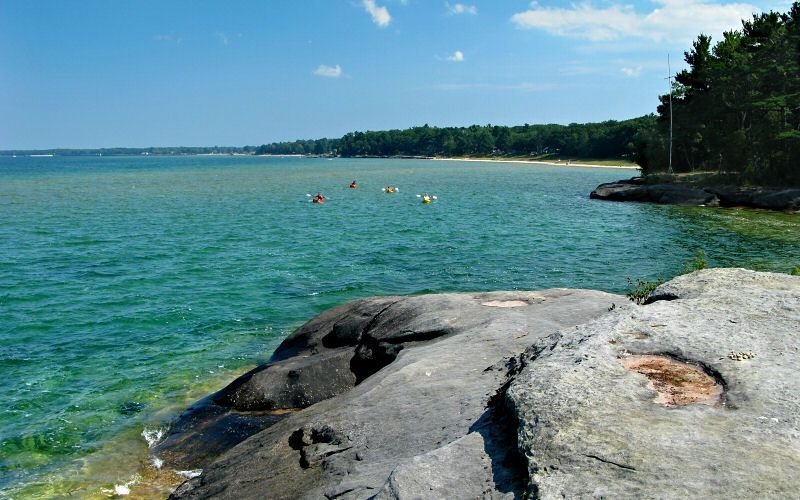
(427, 199)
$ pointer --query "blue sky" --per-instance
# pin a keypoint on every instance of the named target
(106, 73)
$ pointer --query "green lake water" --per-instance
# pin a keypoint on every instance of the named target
(129, 287)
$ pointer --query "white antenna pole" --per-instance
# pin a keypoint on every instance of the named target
(669, 83)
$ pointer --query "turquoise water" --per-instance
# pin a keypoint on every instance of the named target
(131, 286)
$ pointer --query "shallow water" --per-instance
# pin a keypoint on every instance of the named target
(131, 286)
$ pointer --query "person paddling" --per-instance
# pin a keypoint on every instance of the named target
(353, 185)
(318, 198)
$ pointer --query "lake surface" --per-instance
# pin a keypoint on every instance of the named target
(129, 287)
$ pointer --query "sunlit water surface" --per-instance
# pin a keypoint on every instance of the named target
(130, 287)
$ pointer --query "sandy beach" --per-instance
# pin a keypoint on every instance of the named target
(539, 162)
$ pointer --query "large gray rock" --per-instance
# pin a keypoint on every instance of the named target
(667, 194)
(313, 364)
(693, 395)
(767, 198)
(624, 190)
(430, 421)
(592, 428)
(663, 192)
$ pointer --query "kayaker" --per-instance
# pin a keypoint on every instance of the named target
(318, 198)
(353, 185)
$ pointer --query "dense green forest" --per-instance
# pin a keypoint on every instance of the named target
(609, 139)
(301, 147)
(736, 109)
(606, 140)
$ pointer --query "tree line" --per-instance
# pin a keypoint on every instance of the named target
(736, 108)
(609, 139)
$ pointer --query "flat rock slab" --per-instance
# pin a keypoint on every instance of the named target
(422, 426)
(668, 194)
(635, 189)
(593, 426)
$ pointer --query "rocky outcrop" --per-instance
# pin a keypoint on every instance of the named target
(423, 418)
(693, 397)
(311, 365)
(671, 194)
(636, 189)
(770, 199)
(552, 394)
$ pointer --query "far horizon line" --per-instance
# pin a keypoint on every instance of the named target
(74, 148)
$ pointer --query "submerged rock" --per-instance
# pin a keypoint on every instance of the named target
(551, 394)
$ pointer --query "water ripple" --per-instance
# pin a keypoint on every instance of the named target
(125, 282)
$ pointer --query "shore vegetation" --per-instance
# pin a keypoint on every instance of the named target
(735, 111)
(606, 143)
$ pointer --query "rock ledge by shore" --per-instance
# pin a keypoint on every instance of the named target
(635, 189)
(556, 393)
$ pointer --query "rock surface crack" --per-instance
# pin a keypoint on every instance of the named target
(621, 466)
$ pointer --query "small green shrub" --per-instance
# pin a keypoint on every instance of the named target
(795, 271)
(642, 290)
(698, 262)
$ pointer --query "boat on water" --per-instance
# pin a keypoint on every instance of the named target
(426, 198)
(391, 189)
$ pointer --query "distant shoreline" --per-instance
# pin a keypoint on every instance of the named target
(541, 162)
(559, 163)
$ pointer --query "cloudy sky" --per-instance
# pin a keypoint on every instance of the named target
(96, 73)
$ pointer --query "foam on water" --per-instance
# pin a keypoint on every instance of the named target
(153, 436)
(123, 489)
(189, 474)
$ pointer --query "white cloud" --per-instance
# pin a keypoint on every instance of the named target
(460, 8)
(671, 20)
(457, 56)
(380, 15)
(328, 71)
(222, 37)
(632, 72)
